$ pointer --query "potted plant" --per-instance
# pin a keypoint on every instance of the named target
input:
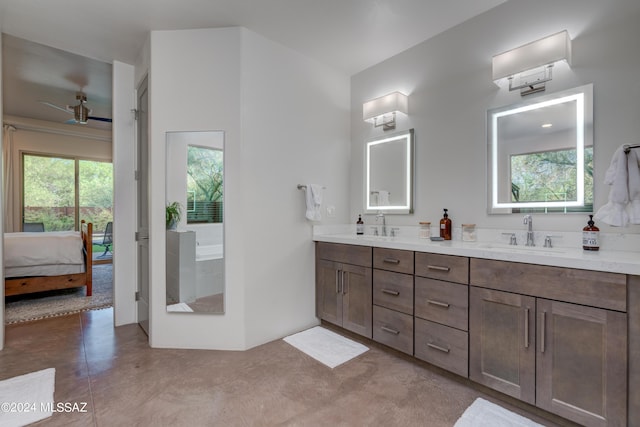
(174, 213)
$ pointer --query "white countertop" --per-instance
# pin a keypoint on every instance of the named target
(626, 262)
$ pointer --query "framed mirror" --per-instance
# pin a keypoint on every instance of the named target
(389, 174)
(540, 154)
(195, 248)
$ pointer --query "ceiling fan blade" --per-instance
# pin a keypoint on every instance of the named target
(101, 119)
(57, 107)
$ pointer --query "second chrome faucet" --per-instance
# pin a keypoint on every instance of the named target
(528, 220)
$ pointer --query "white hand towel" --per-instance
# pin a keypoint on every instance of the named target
(314, 201)
(383, 198)
(633, 171)
(614, 212)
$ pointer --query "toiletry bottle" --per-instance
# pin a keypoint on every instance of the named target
(591, 236)
(445, 226)
(359, 226)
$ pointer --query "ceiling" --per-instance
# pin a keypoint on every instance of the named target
(73, 42)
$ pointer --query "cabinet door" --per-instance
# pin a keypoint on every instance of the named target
(582, 363)
(328, 291)
(357, 299)
(502, 342)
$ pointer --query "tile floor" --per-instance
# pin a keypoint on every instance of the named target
(126, 383)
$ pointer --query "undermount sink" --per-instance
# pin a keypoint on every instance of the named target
(521, 249)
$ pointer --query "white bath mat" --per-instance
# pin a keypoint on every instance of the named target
(180, 307)
(27, 398)
(325, 346)
(483, 413)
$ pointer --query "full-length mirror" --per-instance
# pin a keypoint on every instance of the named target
(540, 154)
(195, 222)
(389, 174)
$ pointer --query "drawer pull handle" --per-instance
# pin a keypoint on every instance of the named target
(391, 331)
(437, 347)
(390, 292)
(438, 267)
(526, 327)
(391, 261)
(543, 327)
(438, 303)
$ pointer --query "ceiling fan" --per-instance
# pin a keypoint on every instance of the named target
(81, 113)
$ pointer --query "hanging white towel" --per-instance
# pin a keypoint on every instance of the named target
(383, 198)
(623, 176)
(633, 168)
(314, 201)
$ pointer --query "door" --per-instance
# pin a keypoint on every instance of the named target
(357, 299)
(502, 342)
(142, 234)
(581, 363)
(329, 292)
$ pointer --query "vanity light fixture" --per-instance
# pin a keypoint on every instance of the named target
(382, 111)
(529, 67)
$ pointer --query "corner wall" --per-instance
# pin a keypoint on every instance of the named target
(285, 119)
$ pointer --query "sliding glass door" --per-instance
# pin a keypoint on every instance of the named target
(59, 192)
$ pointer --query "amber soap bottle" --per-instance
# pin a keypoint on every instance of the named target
(445, 226)
(591, 236)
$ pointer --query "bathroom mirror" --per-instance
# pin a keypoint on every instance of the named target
(389, 174)
(195, 249)
(540, 154)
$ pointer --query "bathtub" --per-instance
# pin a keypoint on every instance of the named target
(209, 270)
(208, 252)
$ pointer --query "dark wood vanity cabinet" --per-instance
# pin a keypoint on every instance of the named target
(393, 298)
(441, 311)
(563, 339)
(567, 358)
(343, 286)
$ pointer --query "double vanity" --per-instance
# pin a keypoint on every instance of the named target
(558, 329)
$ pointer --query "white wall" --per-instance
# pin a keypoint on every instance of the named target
(285, 120)
(194, 85)
(449, 82)
(295, 131)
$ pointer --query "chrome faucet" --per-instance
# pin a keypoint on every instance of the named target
(380, 215)
(528, 220)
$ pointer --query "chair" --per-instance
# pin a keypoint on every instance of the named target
(107, 240)
(33, 226)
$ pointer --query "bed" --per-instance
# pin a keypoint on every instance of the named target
(36, 262)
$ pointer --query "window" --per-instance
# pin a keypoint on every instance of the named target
(550, 176)
(205, 171)
(60, 192)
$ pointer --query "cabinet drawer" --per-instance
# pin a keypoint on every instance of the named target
(594, 288)
(393, 260)
(348, 254)
(442, 346)
(393, 328)
(393, 290)
(442, 302)
(443, 267)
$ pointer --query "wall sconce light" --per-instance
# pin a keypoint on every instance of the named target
(382, 111)
(532, 63)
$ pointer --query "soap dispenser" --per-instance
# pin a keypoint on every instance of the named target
(591, 236)
(445, 226)
(359, 226)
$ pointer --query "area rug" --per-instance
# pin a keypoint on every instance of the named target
(483, 413)
(27, 398)
(326, 346)
(41, 305)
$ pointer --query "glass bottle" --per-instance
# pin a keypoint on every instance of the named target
(445, 226)
(591, 236)
(359, 226)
